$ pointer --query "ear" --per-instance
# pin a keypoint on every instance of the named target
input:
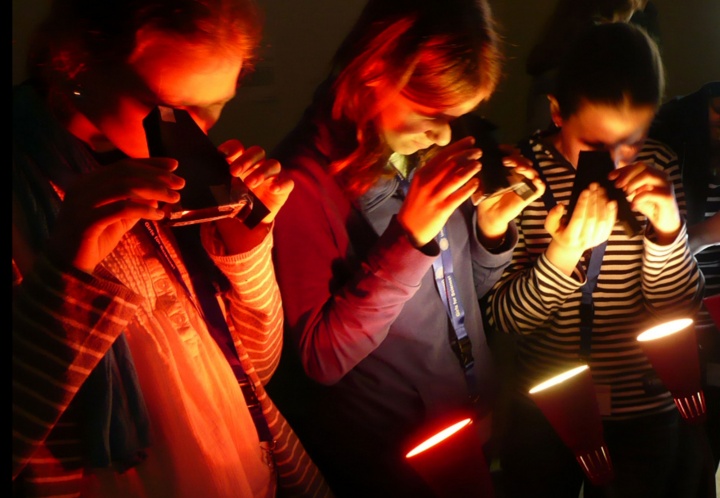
(555, 111)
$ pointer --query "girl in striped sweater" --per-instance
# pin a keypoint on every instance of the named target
(607, 93)
(122, 385)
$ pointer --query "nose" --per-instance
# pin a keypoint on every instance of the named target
(440, 133)
(623, 154)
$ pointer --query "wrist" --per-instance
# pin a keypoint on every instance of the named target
(494, 231)
(409, 234)
(662, 237)
(238, 237)
(493, 243)
(565, 258)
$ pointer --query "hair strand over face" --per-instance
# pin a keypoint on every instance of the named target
(437, 54)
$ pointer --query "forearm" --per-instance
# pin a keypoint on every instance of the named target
(528, 294)
(238, 237)
(254, 307)
(338, 313)
(563, 258)
(671, 280)
(64, 321)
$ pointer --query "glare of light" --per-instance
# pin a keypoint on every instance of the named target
(558, 379)
(665, 329)
(439, 437)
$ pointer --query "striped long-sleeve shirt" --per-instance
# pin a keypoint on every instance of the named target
(640, 283)
(65, 321)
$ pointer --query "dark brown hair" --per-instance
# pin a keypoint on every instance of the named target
(610, 64)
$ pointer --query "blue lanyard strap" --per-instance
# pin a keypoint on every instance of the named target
(448, 290)
(587, 308)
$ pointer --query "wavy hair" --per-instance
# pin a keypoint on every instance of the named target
(434, 52)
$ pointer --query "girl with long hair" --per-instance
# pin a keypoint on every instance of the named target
(381, 255)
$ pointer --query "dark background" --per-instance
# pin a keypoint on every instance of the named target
(301, 36)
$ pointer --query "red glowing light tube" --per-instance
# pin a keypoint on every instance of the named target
(453, 463)
(569, 402)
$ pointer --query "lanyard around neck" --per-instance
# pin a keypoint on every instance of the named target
(449, 294)
(587, 307)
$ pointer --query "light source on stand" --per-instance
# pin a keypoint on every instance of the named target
(453, 463)
(672, 350)
(569, 402)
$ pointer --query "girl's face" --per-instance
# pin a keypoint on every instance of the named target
(162, 70)
(408, 127)
(619, 130)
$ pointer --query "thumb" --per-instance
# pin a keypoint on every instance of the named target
(554, 218)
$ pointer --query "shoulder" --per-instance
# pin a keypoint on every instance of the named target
(657, 152)
(313, 141)
(529, 146)
(684, 117)
(300, 157)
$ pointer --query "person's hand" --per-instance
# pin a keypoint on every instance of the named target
(438, 188)
(495, 212)
(269, 184)
(101, 206)
(651, 193)
(262, 175)
(590, 225)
